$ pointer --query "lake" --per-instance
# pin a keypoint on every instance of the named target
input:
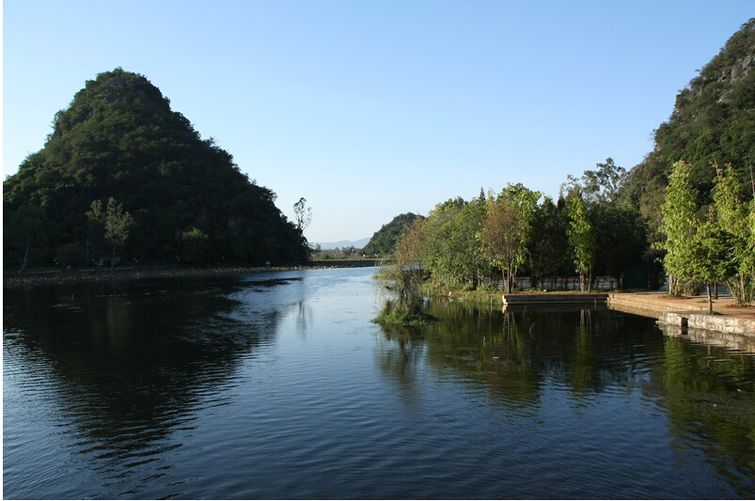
(277, 385)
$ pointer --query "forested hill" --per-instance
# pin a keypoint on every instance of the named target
(384, 240)
(713, 121)
(119, 138)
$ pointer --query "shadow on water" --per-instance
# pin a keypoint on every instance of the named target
(132, 363)
(400, 355)
(708, 392)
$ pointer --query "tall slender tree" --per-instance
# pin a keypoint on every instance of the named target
(732, 216)
(502, 237)
(712, 258)
(678, 225)
(581, 235)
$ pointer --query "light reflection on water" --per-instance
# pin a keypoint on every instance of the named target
(278, 385)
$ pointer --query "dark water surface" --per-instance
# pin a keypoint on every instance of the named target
(279, 386)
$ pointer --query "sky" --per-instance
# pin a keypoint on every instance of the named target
(372, 109)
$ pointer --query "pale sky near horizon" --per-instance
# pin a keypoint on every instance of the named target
(371, 109)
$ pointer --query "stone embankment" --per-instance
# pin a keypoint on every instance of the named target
(688, 314)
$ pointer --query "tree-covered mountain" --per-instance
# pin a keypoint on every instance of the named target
(120, 139)
(713, 121)
(384, 240)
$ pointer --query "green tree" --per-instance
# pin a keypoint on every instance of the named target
(599, 185)
(712, 259)
(619, 237)
(405, 274)
(548, 250)
(24, 228)
(194, 245)
(116, 222)
(732, 215)
(451, 250)
(678, 225)
(506, 230)
(582, 240)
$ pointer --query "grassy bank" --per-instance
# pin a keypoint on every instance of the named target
(475, 296)
(494, 297)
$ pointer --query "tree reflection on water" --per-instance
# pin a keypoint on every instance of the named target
(708, 392)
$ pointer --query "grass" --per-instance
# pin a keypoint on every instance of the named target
(392, 315)
(411, 320)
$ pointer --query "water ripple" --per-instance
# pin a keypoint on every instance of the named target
(278, 386)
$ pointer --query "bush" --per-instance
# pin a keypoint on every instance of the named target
(71, 255)
(195, 246)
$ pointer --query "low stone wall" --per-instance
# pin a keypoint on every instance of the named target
(739, 342)
(703, 321)
(689, 314)
(641, 309)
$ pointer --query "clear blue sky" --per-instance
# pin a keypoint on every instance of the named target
(370, 109)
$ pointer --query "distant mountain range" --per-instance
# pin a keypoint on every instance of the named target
(343, 243)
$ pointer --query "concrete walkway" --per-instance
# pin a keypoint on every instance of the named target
(689, 312)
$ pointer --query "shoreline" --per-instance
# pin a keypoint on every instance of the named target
(688, 314)
(36, 278)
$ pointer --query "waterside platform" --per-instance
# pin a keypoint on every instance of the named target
(550, 298)
(689, 314)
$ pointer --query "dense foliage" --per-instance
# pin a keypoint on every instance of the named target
(708, 246)
(496, 238)
(713, 121)
(678, 225)
(120, 139)
(384, 240)
(405, 276)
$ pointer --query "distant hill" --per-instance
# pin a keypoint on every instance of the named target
(384, 240)
(713, 120)
(344, 243)
(119, 138)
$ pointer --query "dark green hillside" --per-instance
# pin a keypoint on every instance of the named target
(713, 120)
(119, 138)
(384, 240)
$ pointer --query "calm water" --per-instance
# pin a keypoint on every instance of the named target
(279, 386)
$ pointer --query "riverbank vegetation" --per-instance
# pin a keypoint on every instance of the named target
(404, 277)
(488, 242)
(707, 245)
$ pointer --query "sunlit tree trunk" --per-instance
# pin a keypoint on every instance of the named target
(26, 256)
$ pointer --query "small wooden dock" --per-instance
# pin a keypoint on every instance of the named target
(555, 299)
